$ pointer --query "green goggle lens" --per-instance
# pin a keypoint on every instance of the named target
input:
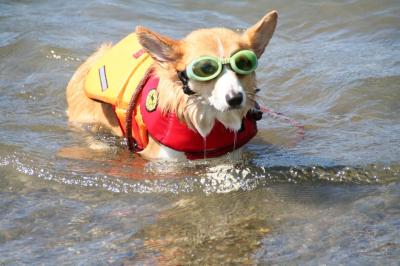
(244, 62)
(208, 67)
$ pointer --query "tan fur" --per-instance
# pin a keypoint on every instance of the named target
(172, 56)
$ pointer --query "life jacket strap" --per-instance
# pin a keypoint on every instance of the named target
(131, 142)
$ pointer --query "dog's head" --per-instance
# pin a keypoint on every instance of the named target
(221, 89)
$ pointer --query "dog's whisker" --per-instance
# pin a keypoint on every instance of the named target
(252, 96)
(252, 93)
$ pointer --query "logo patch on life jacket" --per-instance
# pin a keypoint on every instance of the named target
(152, 100)
(138, 53)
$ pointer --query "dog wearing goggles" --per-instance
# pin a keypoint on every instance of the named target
(204, 83)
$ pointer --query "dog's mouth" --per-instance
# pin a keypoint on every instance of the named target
(222, 107)
(228, 109)
(208, 103)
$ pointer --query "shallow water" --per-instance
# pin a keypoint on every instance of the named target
(332, 198)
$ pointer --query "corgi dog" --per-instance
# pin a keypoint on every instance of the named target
(174, 99)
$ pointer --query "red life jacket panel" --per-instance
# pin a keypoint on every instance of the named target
(170, 131)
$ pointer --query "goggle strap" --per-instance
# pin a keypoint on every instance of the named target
(185, 83)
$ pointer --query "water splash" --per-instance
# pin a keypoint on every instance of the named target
(234, 141)
(204, 148)
(208, 176)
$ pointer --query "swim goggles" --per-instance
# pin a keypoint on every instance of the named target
(206, 68)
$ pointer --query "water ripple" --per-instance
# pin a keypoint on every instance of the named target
(205, 177)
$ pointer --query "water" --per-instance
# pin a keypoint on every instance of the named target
(332, 198)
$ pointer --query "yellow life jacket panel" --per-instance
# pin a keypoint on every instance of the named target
(115, 76)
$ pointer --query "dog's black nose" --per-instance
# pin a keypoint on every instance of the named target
(234, 100)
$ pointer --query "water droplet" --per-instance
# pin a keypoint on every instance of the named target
(205, 148)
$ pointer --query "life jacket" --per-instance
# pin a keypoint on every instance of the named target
(123, 77)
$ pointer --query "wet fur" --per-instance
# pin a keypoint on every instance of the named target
(170, 55)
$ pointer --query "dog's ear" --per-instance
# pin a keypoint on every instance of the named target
(163, 49)
(260, 33)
